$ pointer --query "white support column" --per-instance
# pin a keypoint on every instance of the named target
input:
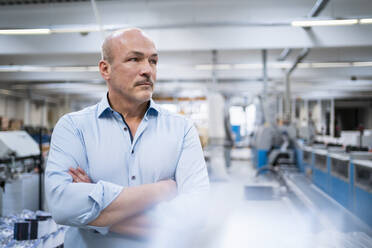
(27, 110)
(320, 116)
(332, 122)
(216, 104)
(280, 107)
(67, 104)
(293, 114)
(306, 108)
(44, 115)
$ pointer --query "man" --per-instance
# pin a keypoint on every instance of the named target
(111, 164)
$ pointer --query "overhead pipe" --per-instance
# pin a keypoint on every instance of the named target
(214, 66)
(98, 18)
(264, 71)
(315, 10)
(284, 54)
(287, 105)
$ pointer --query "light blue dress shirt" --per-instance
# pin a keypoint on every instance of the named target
(98, 140)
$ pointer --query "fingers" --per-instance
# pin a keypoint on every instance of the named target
(78, 175)
(74, 174)
(83, 175)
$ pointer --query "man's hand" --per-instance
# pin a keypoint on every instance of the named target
(79, 175)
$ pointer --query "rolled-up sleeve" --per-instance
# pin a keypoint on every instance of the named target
(191, 172)
(74, 204)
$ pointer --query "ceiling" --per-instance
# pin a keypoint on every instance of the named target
(339, 63)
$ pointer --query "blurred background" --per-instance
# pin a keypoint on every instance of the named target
(280, 92)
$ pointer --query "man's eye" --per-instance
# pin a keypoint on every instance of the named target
(153, 61)
(133, 59)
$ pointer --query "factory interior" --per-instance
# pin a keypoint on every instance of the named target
(280, 93)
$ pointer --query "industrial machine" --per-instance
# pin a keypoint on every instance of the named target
(20, 172)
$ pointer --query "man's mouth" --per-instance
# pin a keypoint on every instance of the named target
(145, 82)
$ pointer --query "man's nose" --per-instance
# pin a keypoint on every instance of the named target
(146, 69)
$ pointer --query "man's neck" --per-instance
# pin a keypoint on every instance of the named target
(128, 109)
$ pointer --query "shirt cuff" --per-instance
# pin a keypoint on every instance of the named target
(103, 194)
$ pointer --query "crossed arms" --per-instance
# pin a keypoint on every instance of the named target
(125, 215)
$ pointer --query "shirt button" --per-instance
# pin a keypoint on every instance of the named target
(125, 128)
(133, 177)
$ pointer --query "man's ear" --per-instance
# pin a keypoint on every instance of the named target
(104, 69)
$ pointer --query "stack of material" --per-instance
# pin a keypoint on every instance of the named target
(31, 229)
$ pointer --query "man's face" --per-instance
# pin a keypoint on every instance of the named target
(132, 71)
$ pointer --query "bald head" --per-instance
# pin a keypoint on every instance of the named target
(119, 37)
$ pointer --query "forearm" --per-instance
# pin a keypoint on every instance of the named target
(135, 200)
(138, 226)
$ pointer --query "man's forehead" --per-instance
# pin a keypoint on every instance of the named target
(136, 43)
(140, 53)
(133, 36)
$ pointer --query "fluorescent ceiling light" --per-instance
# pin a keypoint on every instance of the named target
(330, 65)
(365, 21)
(283, 65)
(28, 68)
(247, 66)
(204, 67)
(25, 31)
(75, 30)
(223, 67)
(311, 23)
(361, 64)
(303, 65)
(209, 67)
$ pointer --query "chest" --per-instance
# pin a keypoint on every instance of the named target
(112, 156)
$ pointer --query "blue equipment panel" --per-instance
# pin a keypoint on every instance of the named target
(321, 172)
(339, 182)
(236, 130)
(363, 193)
(363, 205)
(299, 160)
(340, 191)
(261, 158)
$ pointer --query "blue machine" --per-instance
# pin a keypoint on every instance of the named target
(261, 144)
(344, 177)
(261, 158)
(236, 130)
(340, 183)
(362, 189)
(320, 170)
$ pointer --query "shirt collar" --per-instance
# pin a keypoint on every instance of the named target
(104, 105)
(153, 109)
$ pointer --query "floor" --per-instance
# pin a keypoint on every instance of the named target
(237, 219)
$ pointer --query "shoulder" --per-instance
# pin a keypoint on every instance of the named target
(175, 119)
(79, 118)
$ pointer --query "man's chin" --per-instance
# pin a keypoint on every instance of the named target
(145, 96)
